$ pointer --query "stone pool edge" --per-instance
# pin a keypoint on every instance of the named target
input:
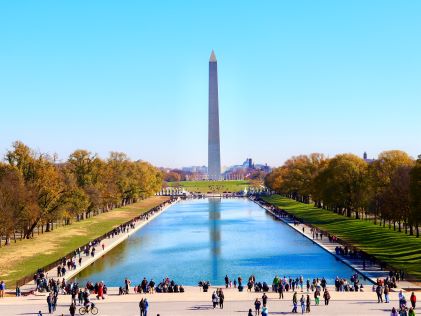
(369, 275)
(110, 244)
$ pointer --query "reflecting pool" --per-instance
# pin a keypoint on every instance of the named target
(204, 239)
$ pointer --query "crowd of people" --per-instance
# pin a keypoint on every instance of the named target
(70, 262)
(284, 284)
(144, 287)
(383, 288)
(79, 296)
(342, 285)
(316, 289)
(340, 250)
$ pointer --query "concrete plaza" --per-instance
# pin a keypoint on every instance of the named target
(195, 302)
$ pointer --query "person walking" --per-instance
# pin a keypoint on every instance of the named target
(294, 303)
(72, 309)
(326, 296)
(100, 291)
(317, 296)
(227, 280)
(379, 293)
(141, 307)
(303, 304)
(308, 303)
(413, 300)
(411, 312)
(50, 302)
(281, 290)
(215, 299)
(55, 297)
(145, 307)
(127, 283)
(257, 305)
(151, 286)
(221, 299)
(265, 311)
(386, 294)
(80, 297)
(402, 300)
(2, 288)
(264, 299)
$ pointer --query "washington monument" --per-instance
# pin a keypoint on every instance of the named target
(214, 156)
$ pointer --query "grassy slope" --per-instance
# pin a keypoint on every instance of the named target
(212, 186)
(399, 250)
(25, 257)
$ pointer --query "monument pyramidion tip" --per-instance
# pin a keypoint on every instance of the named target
(212, 57)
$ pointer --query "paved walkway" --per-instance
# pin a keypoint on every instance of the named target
(195, 302)
(109, 243)
(371, 271)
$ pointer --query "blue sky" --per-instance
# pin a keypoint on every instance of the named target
(294, 77)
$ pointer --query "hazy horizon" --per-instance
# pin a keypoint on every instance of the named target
(294, 78)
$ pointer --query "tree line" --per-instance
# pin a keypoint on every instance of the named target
(386, 190)
(37, 191)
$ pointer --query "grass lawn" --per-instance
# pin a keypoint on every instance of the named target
(26, 256)
(212, 186)
(399, 250)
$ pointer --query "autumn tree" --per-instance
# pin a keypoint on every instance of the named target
(415, 195)
(381, 173)
(37, 191)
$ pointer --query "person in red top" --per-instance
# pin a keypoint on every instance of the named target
(413, 300)
(100, 291)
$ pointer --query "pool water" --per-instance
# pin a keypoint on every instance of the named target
(205, 239)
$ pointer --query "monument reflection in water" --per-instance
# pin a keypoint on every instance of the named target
(215, 233)
(205, 239)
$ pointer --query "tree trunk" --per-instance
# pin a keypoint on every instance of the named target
(31, 229)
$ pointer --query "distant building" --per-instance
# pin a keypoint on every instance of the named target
(248, 163)
(195, 173)
(245, 170)
(199, 169)
(366, 159)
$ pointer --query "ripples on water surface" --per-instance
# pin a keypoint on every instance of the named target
(205, 239)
